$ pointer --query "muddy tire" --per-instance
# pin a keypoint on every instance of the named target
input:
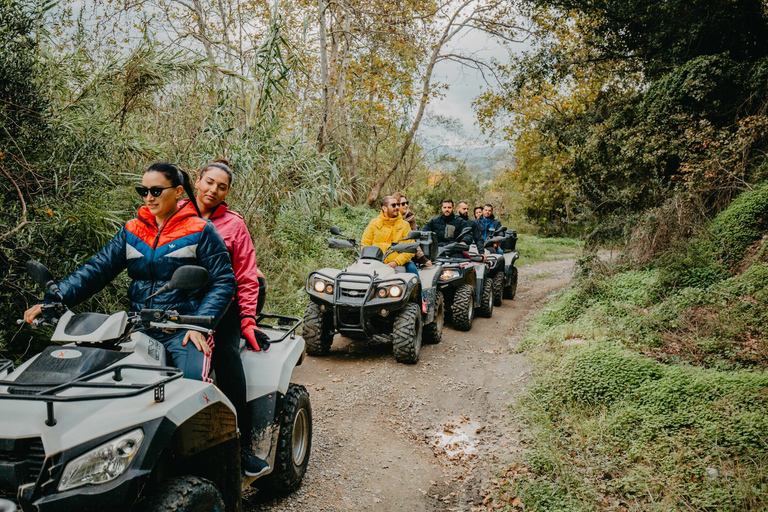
(498, 288)
(433, 331)
(511, 290)
(293, 444)
(485, 308)
(317, 330)
(186, 494)
(406, 334)
(463, 308)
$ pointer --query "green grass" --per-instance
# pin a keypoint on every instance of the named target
(534, 249)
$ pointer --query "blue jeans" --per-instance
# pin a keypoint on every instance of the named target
(410, 267)
(187, 358)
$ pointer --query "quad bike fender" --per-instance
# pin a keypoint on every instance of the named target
(270, 371)
(430, 276)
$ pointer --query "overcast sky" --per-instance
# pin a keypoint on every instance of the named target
(465, 84)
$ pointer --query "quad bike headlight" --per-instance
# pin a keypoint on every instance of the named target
(447, 274)
(322, 286)
(395, 291)
(102, 464)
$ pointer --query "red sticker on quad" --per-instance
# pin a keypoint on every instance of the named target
(66, 353)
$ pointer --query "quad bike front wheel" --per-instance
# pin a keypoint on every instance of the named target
(293, 444)
(317, 330)
(463, 308)
(433, 331)
(406, 334)
(186, 494)
(509, 291)
(485, 308)
(498, 288)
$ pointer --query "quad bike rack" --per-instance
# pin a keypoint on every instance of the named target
(282, 325)
(50, 393)
(5, 364)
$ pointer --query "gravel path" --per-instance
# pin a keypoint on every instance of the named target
(393, 437)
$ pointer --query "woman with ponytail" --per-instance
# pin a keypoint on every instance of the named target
(151, 247)
(213, 186)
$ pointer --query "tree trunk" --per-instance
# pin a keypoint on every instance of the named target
(426, 89)
(322, 5)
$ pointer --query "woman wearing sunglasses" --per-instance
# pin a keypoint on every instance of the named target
(409, 217)
(151, 247)
(213, 186)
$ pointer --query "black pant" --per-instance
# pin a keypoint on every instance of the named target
(228, 366)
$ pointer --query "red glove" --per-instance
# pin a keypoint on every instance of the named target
(256, 339)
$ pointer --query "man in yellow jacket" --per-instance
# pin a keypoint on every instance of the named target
(386, 229)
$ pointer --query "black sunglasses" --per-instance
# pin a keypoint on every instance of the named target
(155, 191)
(404, 203)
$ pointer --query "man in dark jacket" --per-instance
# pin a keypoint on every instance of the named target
(483, 226)
(448, 226)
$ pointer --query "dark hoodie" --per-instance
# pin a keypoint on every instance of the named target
(447, 228)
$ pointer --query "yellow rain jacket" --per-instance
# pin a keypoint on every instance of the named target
(384, 232)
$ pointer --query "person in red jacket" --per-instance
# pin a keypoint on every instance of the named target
(212, 187)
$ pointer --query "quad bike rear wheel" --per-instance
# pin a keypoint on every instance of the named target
(186, 494)
(406, 334)
(317, 330)
(433, 331)
(293, 444)
(463, 308)
(509, 291)
(485, 308)
(498, 288)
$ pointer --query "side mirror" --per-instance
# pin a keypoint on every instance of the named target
(502, 229)
(43, 277)
(39, 273)
(186, 277)
(414, 235)
(335, 230)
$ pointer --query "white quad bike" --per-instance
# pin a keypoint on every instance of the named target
(101, 423)
(503, 272)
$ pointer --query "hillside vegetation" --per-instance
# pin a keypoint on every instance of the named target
(650, 383)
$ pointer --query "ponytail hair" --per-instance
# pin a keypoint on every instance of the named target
(177, 177)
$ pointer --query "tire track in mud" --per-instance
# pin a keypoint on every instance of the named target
(424, 437)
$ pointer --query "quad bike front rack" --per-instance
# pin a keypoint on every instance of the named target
(5, 364)
(50, 392)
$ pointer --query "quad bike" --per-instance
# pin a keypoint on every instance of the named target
(371, 300)
(503, 272)
(102, 423)
(464, 284)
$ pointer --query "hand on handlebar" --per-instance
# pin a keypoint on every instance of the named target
(32, 313)
(199, 340)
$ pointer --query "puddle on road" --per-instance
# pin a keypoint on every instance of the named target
(456, 439)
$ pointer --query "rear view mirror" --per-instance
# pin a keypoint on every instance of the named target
(502, 229)
(39, 273)
(335, 230)
(414, 235)
(186, 277)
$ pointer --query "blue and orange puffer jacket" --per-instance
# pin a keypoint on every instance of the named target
(151, 255)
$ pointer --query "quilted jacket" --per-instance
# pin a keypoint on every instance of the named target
(151, 255)
(384, 232)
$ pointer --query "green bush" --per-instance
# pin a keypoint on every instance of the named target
(744, 221)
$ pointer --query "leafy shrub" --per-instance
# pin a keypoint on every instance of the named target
(743, 222)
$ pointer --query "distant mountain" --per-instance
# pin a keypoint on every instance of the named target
(482, 161)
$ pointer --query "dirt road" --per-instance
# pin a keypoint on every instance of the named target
(393, 437)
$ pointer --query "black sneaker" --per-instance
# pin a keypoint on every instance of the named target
(251, 464)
